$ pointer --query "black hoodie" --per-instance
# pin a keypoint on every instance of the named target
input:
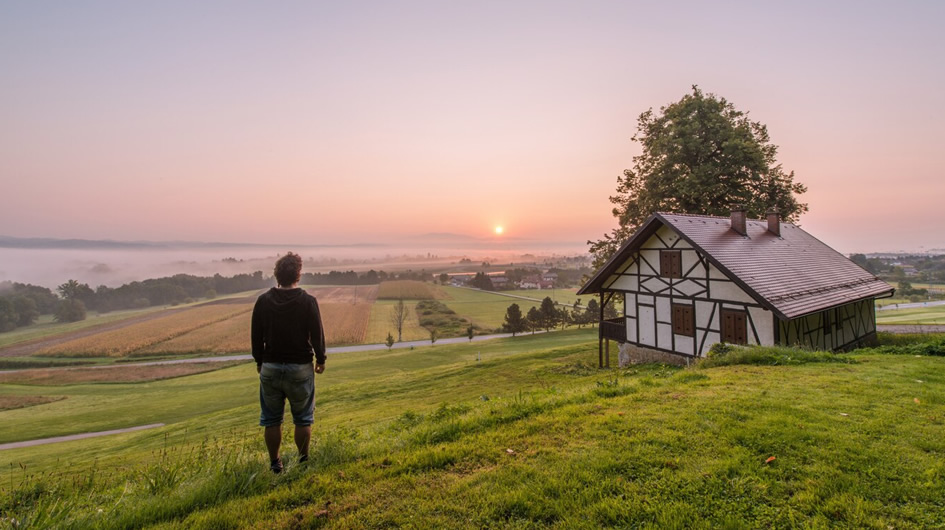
(287, 328)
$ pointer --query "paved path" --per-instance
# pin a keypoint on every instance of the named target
(43, 441)
(911, 305)
(245, 357)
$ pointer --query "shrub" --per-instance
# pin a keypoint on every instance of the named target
(722, 354)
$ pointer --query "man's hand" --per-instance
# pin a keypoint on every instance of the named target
(258, 368)
(319, 368)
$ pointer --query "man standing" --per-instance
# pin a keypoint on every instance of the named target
(286, 333)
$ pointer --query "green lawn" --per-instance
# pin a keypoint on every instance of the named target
(531, 436)
(379, 325)
(487, 309)
(918, 315)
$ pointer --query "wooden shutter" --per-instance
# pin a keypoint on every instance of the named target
(684, 322)
(734, 326)
(671, 263)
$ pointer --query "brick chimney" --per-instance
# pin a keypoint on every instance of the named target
(739, 220)
(774, 222)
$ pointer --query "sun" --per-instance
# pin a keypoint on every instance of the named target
(499, 230)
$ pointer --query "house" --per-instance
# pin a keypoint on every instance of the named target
(686, 282)
(535, 282)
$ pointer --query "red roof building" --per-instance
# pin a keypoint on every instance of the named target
(687, 282)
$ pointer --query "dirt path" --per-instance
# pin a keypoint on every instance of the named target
(32, 346)
(42, 441)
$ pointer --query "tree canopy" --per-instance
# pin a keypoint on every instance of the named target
(701, 156)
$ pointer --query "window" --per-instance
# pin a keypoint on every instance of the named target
(684, 322)
(734, 326)
(671, 263)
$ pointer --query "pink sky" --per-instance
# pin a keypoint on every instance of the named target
(370, 121)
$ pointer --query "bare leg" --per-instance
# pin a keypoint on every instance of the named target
(273, 436)
(303, 436)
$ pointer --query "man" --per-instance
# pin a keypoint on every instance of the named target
(286, 333)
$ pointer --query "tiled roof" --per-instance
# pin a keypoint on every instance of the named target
(793, 275)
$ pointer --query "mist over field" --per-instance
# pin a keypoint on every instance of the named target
(116, 263)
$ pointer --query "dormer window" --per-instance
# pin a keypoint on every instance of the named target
(671, 263)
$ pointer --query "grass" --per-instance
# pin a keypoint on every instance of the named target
(379, 324)
(532, 436)
(433, 314)
(918, 315)
(486, 309)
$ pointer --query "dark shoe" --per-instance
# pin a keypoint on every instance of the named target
(303, 459)
(276, 466)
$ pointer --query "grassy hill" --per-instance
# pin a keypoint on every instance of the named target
(532, 436)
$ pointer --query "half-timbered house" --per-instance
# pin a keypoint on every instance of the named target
(686, 282)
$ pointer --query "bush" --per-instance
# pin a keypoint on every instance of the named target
(722, 354)
(70, 311)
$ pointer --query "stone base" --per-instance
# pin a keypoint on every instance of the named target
(633, 354)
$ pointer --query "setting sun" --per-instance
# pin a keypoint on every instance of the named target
(498, 230)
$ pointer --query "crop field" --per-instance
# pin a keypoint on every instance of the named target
(345, 323)
(354, 294)
(128, 339)
(532, 436)
(917, 315)
(219, 338)
(407, 290)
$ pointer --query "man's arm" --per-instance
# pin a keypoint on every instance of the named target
(317, 336)
(258, 334)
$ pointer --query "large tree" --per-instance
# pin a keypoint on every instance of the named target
(702, 156)
(514, 322)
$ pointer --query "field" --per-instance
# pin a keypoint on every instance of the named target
(531, 436)
(123, 341)
(406, 290)
(487, 309)
(918, 315)
(110, 374)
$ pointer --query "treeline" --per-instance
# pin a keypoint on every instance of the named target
(21, 304)
(549, 316)
(371, 277)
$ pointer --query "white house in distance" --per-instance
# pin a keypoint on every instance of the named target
(687, 282)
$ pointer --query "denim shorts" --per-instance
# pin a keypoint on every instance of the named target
(281, 381)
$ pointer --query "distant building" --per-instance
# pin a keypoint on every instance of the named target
(687, 282)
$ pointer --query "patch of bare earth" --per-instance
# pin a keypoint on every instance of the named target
(20, 402)
(111, 374)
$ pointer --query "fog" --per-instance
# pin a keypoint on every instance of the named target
(112, 267)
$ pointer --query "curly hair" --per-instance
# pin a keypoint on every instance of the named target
(288, 269)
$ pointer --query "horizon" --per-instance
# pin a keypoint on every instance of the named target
(335, 124)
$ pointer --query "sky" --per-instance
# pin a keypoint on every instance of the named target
(348, 122)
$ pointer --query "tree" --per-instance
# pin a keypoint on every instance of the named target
(26, 312)
(398, 316)
(8, 316)
(533, 319)
(390, 341)
(470, 332)
(700, 156)
(70, 310)
(548, 314)
(577, 315)
(482, 281)
(592, 311)
(514, 323)
(434, 334)
(444, 278)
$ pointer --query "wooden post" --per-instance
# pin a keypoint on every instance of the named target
(600, 334)
(608, 353)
